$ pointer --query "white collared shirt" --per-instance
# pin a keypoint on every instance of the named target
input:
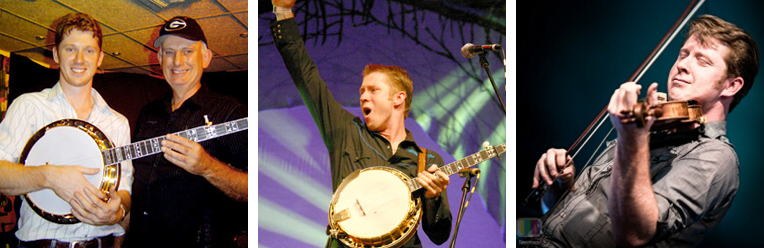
(32, 111)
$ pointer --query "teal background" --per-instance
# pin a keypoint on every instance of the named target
(571, 56)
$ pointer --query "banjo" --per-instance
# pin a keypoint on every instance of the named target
(374, 207)
(77, 142)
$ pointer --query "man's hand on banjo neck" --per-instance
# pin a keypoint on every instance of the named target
(432, 184)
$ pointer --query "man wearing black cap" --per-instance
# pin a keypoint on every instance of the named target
(193, 195)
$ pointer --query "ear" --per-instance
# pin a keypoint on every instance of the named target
(399, 98)
(732, 86)
(55, 54)
(159, 56)
(100, 58)
(207, 54)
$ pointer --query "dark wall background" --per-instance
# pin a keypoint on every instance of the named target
(571, 56)
(126, 93)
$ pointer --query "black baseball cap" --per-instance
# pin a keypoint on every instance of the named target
(182, 26)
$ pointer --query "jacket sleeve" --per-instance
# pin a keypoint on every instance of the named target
(437, 214)
(325, 110)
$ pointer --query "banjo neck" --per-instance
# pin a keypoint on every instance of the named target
(463, 163)
(153, 146)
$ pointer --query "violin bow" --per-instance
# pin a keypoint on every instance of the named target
(539, 191)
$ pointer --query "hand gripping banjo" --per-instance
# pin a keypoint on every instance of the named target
(375, 207)
(77, 142)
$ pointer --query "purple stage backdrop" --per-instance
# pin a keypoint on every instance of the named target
(294, 185)
(454, 108)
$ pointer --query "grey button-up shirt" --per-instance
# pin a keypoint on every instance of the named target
(695, 178)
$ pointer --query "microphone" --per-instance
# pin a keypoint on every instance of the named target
(469, 172)
(469, 50)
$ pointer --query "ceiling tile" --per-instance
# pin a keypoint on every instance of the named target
(110, 61)
(144, 36)
(196, 9)
(20, 30)
(117, 15)
(240, 61)
(31, 10)
(129, 50)
(234, 5)
(129, 27)
(223, 35)
(39, 57)
(219, 64)
(12, 44)
(243, 18)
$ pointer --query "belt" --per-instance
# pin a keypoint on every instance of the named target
(101, 242)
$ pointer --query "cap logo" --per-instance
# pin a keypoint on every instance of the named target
(175, 25)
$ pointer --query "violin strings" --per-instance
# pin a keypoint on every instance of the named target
(579, 148)
(596, 150)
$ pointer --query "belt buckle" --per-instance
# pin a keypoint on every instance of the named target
(73, 244)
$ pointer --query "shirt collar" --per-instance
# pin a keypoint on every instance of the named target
(713, 130)
(98, 103)
(408, 140)
(197, 100)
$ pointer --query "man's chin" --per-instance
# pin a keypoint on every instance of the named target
(675, 95)
(372, 126)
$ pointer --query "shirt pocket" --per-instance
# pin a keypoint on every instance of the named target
(356, 159)
(659, 160)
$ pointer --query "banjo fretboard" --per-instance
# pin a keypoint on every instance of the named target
(153, 146)
(466, 162)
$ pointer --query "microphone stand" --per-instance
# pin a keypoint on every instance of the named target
(462, 207)
(484, 64)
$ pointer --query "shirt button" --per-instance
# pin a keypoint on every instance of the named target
(562, 215)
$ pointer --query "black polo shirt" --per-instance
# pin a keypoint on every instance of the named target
(171, 207)
(352, 146)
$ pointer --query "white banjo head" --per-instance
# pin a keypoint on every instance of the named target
(66, 142)
(375, 208)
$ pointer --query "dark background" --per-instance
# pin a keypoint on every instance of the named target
(126, 93)
(572, 55)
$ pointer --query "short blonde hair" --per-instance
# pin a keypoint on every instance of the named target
(399, 81)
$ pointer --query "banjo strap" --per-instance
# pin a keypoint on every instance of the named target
(422, 157)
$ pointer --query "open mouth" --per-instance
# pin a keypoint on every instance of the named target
(366, 111)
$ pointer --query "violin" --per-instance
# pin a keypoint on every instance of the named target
(668, 114)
